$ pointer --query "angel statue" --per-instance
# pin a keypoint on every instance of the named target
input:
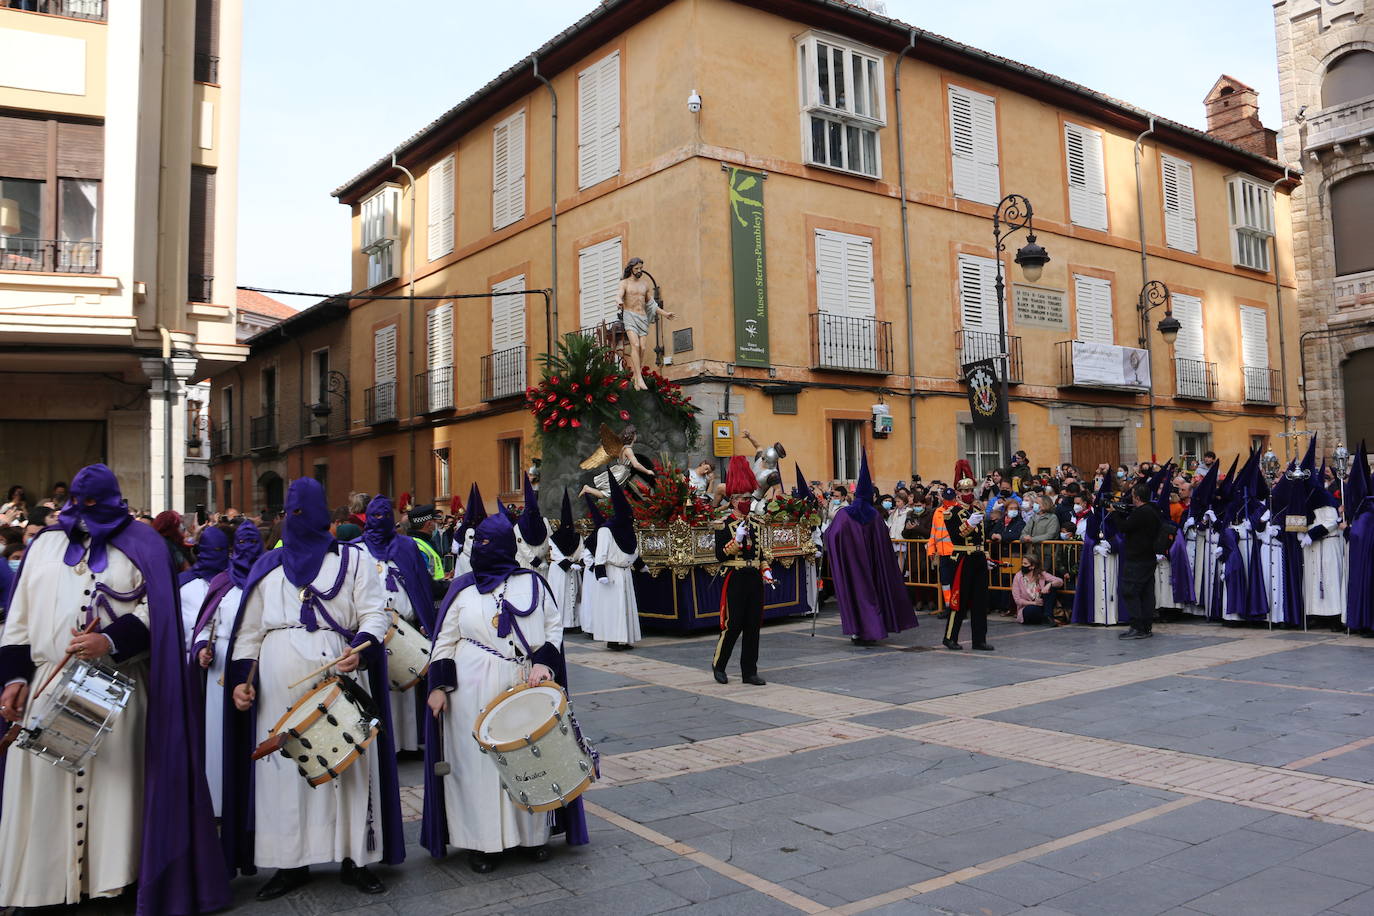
(617, 451)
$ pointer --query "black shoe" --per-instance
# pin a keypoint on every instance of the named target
(720, 676)
(755, 680)
(951, 644)
(1129, 634)
(284, 881)
(983, 646)
(863, 642)
(537, 853)
(359, 877)
(1145, 635)
(481, 862)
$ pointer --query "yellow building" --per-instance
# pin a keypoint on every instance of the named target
(118, 176)
(634, 156)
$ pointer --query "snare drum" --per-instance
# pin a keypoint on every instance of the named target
(531, 734)
(407, 653)
(326, 731)
(81, 710)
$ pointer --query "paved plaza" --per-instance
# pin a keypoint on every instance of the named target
(1207, 770)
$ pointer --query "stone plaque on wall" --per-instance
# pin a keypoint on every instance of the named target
(1037, 307)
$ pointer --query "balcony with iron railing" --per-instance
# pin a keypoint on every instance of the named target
(1195, 379)
(1261, 385)
(93, 10)
(1343, 123)
(434, 390)
(49, 255)
(322, 421)
(379, 403)
(847, 344)
(262, 432)
(503, 374)
(973, 346)
(1107, 367)
(206, 68)
(200, 288)
(222, 442)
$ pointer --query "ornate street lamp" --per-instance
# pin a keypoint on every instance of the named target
(1014, 212)
(1153, 295)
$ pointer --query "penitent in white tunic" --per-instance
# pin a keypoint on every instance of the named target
(480, 814)
(1324, 568)
(296, 824)
(217, 633)
(63, 834)
(566, 585)
(612, 610)
(404, 731)
(192, 600)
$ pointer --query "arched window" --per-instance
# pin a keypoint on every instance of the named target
(1352, 223)
(1350, 76)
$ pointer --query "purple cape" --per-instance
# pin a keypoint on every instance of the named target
(1181, 570)
(238, 825)
(381, 541)
(180, 870)
(1359, 601)
(867, 580)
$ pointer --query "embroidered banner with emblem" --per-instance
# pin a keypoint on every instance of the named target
(985, 394)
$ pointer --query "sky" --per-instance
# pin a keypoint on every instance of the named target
(330, 86)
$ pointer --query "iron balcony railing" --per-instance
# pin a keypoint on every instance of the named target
(206, 68)
(50, 256)
(976, 345)
(1261, 385)
(434, 390)
(850, 344)
(379, 403)
(322, 420)
(200, 288)
(1195, 379)
(72, 9)
(262, 432)
(222, 442)
(503, 374)
(1130, 379)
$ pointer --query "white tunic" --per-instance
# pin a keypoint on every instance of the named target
(220, 628)
(611, 605)
(1106, 573)
(299, 825)
(1324, 572)
(1269, 554)
(64, 835)
(531, 556)
(462, 560)
(404, 732)
(1164, 583)
(192, 598)
(567, 586)
(480, 814)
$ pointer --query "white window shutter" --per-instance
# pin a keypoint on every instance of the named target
(1093, 298)
(1190, 343)
(1180, 217)
(973, 146)
(598, 121)
(384, 354)
(1254, 337)
(507, 315)
(830, 266)
(598, 277)
(500, 175)
(1087, 180)
(439, 331)
(858, 269)
(440, 232)
(515, 188)
(608, 118)
(978, 293)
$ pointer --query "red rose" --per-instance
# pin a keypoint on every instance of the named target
(574, 386)
(554, 380)
(563, 422)
(587, 380)
(613, 398)
(576, 422)
(624, 415)
(624, 383)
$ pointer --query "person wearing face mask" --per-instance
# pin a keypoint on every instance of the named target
(741, 594)
(1032, 591)
(969, 594)
(940, 547)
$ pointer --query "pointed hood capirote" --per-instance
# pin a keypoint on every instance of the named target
(566, 537)
(105, 517)
(622, 524)
(802, 490)
(532, 528)
(862, 507)
(474, 514)
(379, 527)
(594, 513)
(245, 552)
(305, 531)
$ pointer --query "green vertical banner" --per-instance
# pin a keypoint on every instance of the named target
(748, 267)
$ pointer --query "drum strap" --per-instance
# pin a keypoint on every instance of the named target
(312, 602)
(101, 600)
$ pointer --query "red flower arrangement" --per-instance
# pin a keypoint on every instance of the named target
(580, 385)
(674, 402)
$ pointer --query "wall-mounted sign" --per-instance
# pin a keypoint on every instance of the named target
(1037, 307)
(723, 438)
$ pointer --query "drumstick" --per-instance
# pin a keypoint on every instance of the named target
(327, 665)
(12, 734)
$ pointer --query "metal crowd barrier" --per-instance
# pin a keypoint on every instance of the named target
(1058, 557)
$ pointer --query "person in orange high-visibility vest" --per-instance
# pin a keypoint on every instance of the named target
(941, 548)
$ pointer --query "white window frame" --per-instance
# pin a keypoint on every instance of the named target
(507, 338)
(508, 171)
(846, 442)
(511, 465)
(385, 406)
(599, 268)
(440, 182)
(846, 302)
(1189, 381)
(1179, 203)
(1201, 441)
(439, 355)
(855, 117)
(1250, 205)
(380, 217)
(443, 473)
(1089, 295)
(598, 121)
(316, 391)
(1086, 175)
(981, 448)
(975, 158)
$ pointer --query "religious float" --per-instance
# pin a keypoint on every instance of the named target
(592, 422)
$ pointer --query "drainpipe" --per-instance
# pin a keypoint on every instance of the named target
(1144, 319)
(1278, 308)
(411, 343)
(906, 252)
(552, 321)
(166, 415)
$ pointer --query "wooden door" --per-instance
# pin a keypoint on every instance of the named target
(1093, 446)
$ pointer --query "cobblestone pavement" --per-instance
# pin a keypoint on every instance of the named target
(1207, 770)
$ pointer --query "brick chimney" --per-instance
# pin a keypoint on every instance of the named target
(1233, 116)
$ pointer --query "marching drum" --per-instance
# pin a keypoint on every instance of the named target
(81, 711)
(532, 735)
(326, 731)
(407, 653)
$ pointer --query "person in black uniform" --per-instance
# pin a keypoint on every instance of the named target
(965, 525)
(1140, 525)
(741, 597)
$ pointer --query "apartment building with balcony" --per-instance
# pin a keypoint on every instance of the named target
(802, 95)
(1326, 78)
(118, 152)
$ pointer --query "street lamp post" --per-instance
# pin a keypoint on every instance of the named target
(1152, 295)
(1014, 213)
